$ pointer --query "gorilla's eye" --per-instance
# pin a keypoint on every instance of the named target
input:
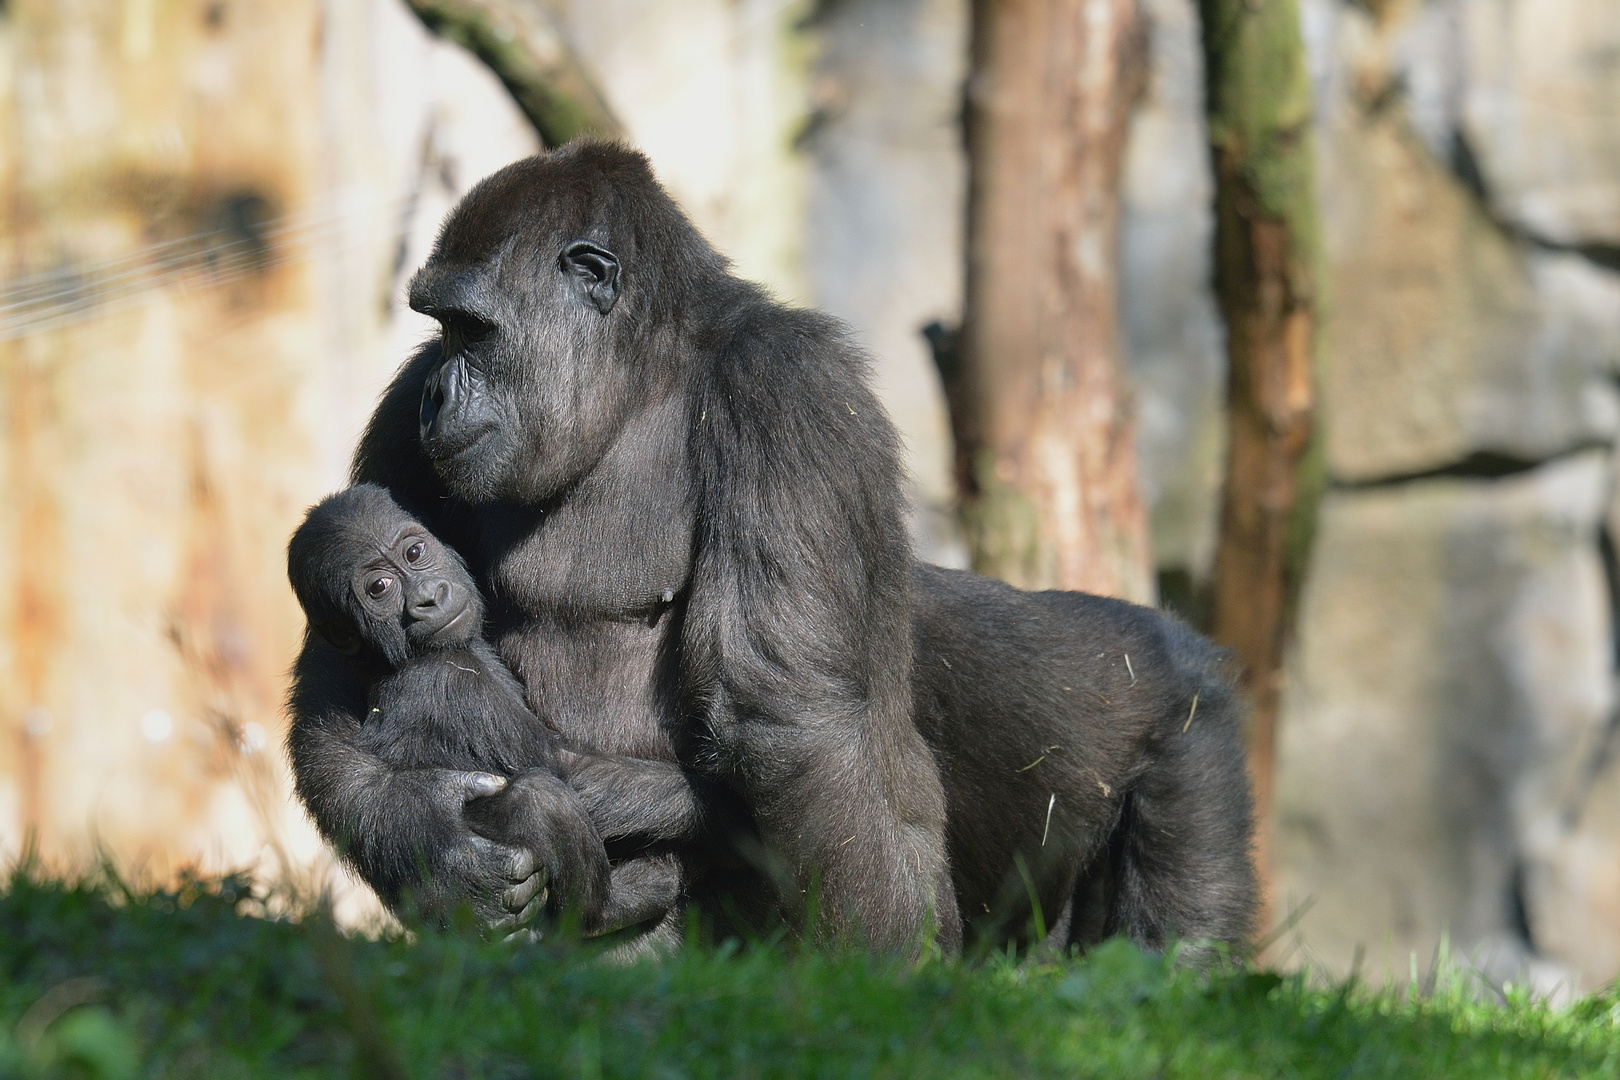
(379, 585)
(460, 329)
(413, 554)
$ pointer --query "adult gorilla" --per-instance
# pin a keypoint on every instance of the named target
(684, 505)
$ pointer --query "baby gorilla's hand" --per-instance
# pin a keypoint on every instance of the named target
(560, 863)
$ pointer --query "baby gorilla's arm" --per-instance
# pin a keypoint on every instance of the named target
(653, 801)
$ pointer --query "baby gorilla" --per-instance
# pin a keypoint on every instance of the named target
(378, 587)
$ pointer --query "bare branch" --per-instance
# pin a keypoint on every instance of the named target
(520, 43)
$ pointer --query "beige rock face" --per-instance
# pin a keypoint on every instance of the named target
(1444, 765)
(1572, 886)
(714, 92)
(1172, 335)
(1447, 336)
(1451, 682)
(886, 216)
(158, 445)
(209, 210)
(1540, 105)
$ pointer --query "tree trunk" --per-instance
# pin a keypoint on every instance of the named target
(1259, 102)
(1046, 439)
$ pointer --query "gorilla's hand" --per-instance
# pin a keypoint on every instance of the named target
(560, 863)
(499, 881)
(629, 797)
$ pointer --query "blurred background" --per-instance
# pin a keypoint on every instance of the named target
(1391, 489)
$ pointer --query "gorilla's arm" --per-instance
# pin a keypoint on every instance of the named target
(797, 643)
(643, 889)
(626, 797)
(404, 831)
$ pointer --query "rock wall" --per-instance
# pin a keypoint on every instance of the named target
(819, 146)
(1174, 341)
(1448, 767)
(209, 212)
(1446, 746)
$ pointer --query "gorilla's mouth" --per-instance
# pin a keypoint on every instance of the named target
(446, 418)
(444, 447)
(458, 620)
(452, 631)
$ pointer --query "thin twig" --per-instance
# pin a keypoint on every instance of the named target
(1283, 927)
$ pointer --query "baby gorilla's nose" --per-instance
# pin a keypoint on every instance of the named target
(429, 599)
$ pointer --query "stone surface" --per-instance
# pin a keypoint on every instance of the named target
(1572, 881)
(1174, 342)
(819, 147)
(1450, 685)
(1527, 94)
(715, 92)
(887, 214)
(170, 417)
(1447, 335)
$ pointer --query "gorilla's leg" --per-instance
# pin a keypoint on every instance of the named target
(661, 940)
(1178, 864)
(643, 889)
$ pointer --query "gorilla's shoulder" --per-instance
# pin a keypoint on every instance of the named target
(792, 383)
(788, 437)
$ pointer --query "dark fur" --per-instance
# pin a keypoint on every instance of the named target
(684, 504)
(599, 446)
(442, 700)
(1028, 702)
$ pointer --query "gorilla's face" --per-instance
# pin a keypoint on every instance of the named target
(408, 595)
(530, 387)
(370, 576)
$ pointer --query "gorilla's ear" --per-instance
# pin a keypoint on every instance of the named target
(596, 269)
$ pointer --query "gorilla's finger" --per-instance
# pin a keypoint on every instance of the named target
(488, 851)
(519, 896)
(468, 786)
(522, 864)
(523, 916)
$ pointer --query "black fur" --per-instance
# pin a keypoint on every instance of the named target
(1059, 754)
(379, 588)
(683, 503)
(1092, 757)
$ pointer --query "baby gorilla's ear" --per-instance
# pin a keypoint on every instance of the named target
(339, 636)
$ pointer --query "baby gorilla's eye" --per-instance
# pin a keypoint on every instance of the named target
(378, 586)
(413, 554)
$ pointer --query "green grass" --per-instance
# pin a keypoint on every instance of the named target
(100, 981)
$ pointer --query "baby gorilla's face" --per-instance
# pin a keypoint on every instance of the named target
(409, 586)
(369, 574)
